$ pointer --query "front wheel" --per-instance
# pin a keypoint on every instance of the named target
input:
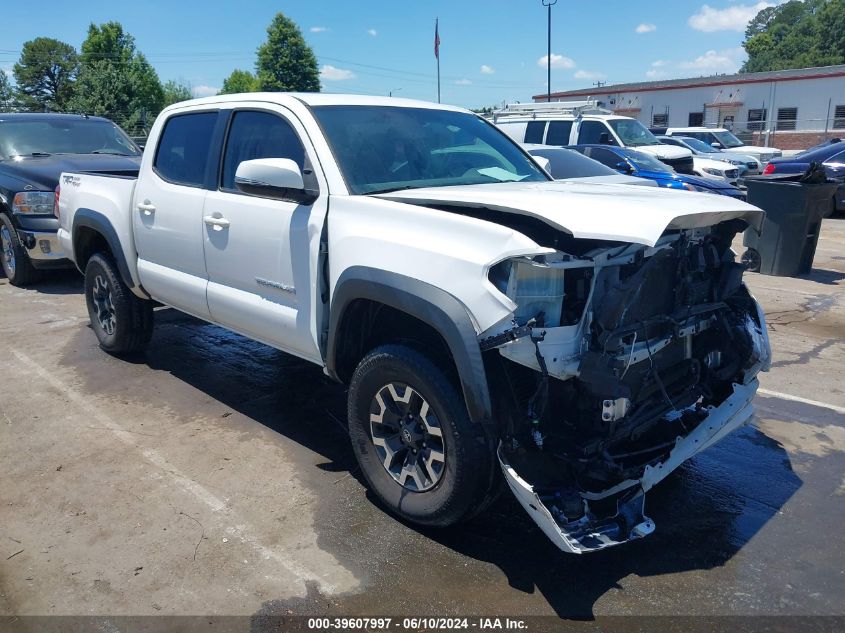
(415, 443)
(122, 322)
(13, 258)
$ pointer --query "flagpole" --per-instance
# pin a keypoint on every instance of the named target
(437, 35)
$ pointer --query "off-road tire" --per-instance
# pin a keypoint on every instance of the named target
(20, 272)
(468, 477)
(132, 324)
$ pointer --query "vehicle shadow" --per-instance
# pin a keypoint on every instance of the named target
(63, 281)
(824, 276)
(705, 512)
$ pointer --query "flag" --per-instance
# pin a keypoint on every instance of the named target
(436, 40)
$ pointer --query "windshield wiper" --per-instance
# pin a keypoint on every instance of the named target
(391, 189)
(106, 151)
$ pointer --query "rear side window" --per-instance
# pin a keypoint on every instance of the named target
(591, 131)
(258, 135)
(534, 131)
(559, 133)
(182, 153)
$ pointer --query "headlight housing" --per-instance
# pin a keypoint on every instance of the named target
(690, 187)
(713, 171)
(33, 203)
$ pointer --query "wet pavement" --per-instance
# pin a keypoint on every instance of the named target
(213, 475)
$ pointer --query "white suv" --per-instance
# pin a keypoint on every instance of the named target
(582, 123)
(723, 139)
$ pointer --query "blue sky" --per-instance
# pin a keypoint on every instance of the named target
(491, 50)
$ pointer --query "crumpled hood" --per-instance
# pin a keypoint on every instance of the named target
(592, 211)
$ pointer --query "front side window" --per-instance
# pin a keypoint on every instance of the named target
(590, 132)
(182, 153)
(258, 135)
(633, 133)
(385, 148)
(606, 157)
(727, 139)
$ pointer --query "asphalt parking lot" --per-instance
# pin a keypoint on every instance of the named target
(213, 476)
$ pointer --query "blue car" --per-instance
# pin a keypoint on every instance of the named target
(634, 163)
(831, 154)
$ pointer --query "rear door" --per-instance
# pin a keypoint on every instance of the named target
(167, 213)
(262, 259)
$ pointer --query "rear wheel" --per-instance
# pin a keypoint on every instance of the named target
(415, 443)
(122, 322)
(13, 258)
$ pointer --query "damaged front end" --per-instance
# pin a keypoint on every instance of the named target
(618, 364)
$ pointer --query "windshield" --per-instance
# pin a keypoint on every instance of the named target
(633, 133)
(647, 162)
(727, 139)
(64, 136)
(698, 145)
(386, 148)
(567, 163)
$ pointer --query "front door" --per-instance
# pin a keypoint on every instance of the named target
(167, 213)
(261, 254)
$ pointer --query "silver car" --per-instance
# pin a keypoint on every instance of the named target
(745, 162)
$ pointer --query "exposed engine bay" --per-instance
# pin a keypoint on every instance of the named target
(620, 361)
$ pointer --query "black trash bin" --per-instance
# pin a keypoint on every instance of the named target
(794, 209)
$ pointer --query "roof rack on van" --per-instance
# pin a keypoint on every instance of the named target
(570, 108)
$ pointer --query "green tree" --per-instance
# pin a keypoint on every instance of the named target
(5, 92)
(240, 81)
(176, 91)
(285, 61)
(796, 34)
(45, 74)
(116, 80)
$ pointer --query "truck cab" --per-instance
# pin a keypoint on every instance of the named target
(583, 123)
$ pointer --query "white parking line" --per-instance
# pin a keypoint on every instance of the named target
(787, 396)
(293, 567)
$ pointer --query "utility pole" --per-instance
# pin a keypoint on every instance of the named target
(549, 4)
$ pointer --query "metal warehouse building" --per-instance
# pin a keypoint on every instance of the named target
(789, 109)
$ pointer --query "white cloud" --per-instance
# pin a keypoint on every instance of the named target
(318, 29)
(330, 73)
(710, 63)
(487, 70)
(372, 32)
(732, 18)
(558, 61)
(586, 74)
(204, 91)
(463, 82)
(645, 28)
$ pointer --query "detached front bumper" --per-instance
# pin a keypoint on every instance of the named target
(44, 249)
(590, 533)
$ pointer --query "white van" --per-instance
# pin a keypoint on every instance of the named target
(582, 123)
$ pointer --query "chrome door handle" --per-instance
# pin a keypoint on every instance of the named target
(217, 223)
(146, 208)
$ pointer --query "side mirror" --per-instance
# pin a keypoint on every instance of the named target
(716, 145)
(544, 163)
(623, 167)
(273, 178)
(604, 139)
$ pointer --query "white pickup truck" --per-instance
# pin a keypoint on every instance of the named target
(577, 341)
